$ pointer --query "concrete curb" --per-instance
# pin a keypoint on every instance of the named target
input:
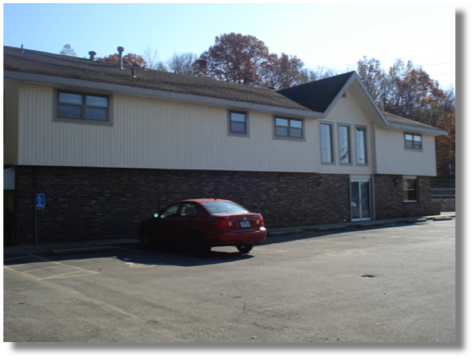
(91, 249)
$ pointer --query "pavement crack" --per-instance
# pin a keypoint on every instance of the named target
(244, 308)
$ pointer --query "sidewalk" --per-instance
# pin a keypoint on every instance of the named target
(360, 224)
(104, 245)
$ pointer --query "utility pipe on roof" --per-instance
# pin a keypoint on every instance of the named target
(119, 63)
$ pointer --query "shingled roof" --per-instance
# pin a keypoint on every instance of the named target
(36, 62)
(407, 122)
(310, 97)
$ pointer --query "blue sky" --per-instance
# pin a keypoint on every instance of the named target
(328, 35)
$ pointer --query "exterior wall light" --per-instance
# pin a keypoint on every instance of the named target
(319, 181)
(396, 181)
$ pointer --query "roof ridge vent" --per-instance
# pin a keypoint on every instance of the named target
(92, 54)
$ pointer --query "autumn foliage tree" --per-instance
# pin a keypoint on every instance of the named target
(128, 59)
(281, 72)
(234, 58)
(371, 76)
(246, 60)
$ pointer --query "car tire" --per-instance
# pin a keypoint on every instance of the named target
(147, 240)
(244, 249)
(200, 245)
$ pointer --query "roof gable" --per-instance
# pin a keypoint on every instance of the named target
(323, 95)
(318, 95)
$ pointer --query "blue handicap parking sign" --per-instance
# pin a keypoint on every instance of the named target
(40, 201)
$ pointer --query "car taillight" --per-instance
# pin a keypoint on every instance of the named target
(260, 221)
(224, 223)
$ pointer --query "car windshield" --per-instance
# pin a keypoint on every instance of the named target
(224, 208)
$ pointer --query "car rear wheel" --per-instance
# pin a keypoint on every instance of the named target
(244, 249)
(200, 245)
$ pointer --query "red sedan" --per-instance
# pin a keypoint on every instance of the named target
(202, 224)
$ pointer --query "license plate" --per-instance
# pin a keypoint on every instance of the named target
(245, 224)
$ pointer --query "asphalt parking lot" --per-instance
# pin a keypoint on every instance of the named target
(388, 284)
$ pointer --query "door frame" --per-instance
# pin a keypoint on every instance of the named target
(362, 178)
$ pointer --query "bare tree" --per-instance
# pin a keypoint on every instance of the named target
(182, 63)
(150, 57)
(308, 75)
(161, 66)
(67, 50)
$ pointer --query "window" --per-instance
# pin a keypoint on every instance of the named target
(286, 127)
(171, 211)
(361, 145)
(238, 123)
(410, 189)
(224, 208)
(326, 143)
(188, 210)
(83, 106)
(413, 141)
(344, 144)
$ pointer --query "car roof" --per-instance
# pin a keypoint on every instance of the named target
(201, 201)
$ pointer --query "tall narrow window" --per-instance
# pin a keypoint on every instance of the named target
(326, 143)
(344, 144)
(360, 146)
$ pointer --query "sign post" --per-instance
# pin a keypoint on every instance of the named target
(39, 204)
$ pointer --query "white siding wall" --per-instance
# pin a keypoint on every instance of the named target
(393, 158)
(149, 133)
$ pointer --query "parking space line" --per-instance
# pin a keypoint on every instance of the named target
(75, 273)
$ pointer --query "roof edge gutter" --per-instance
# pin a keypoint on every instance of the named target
(401, 127)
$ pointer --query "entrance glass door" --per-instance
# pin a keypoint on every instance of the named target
(360, 200)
